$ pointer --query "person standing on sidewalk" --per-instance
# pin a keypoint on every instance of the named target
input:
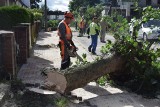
(65, 43)
(82, 27)
(103, 26)
(76, 25)
(93, 32)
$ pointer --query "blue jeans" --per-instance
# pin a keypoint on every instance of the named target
(93, 45)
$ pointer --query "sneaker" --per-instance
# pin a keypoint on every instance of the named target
(94, 53)
(89, 49)
(103, 41)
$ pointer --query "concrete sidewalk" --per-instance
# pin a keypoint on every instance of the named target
(47, 54)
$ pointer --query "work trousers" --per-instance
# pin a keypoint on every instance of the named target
(65, 62)
(102, 35)
(94, 39)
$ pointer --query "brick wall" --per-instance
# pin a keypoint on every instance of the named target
(8, 57)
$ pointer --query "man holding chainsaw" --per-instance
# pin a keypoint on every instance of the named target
(67, 47)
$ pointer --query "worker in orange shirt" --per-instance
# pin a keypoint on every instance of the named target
(82, 27)
(65, 36)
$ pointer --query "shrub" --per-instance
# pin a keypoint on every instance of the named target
(12, 15)
(53, 23)
(37, 14)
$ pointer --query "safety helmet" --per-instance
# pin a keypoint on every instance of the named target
(68, 15)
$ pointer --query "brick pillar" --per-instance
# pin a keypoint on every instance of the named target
(39, 25)
(29, 44)
(8, 52)
(21, 40)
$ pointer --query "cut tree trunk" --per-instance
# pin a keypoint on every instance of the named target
(72, 78)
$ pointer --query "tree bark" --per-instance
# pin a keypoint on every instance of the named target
(72, 78)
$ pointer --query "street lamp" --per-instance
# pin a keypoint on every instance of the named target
(45, 11)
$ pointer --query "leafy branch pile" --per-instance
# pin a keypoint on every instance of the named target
(142, 70)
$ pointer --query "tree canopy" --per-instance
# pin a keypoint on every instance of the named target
(76, 4)
(34, 3)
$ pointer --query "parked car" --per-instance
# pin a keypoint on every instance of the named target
(149, 30)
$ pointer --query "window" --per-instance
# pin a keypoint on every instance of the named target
(158, 1)
(148, 2)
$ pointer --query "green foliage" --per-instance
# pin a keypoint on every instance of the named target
(102, 80)
(93, 11)
(142, 70)
(149, 12)
(106, 49)
(62, 102)
(83, 60)
(75, 5)
(53, 23)
(37, 14)
(12, 15)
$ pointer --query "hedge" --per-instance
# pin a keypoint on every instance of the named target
(53, 23)
(12, 15)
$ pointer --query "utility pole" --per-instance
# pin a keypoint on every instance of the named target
(45, 11)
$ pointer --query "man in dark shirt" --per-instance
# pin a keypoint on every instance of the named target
(66, 42)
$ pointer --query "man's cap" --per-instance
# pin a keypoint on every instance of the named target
(68, 15)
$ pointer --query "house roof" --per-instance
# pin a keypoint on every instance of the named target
(24, 3)
(55, 12)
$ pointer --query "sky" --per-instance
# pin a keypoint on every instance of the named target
(57, 4)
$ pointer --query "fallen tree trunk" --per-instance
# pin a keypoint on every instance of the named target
(72, 78)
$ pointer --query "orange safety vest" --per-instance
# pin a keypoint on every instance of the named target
(68, 32)
(68, 37)
(81, 25)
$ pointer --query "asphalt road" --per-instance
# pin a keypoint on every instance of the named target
(86, 42)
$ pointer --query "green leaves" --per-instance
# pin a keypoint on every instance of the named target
(107, 48)
(142, 63)
(135, 44)
(53, 23)
(12, 15)
(102, 80)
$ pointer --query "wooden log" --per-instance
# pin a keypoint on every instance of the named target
(67, 80)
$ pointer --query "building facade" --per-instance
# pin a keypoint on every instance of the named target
(55, 15)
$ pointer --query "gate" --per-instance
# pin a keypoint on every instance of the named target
(1, 54)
